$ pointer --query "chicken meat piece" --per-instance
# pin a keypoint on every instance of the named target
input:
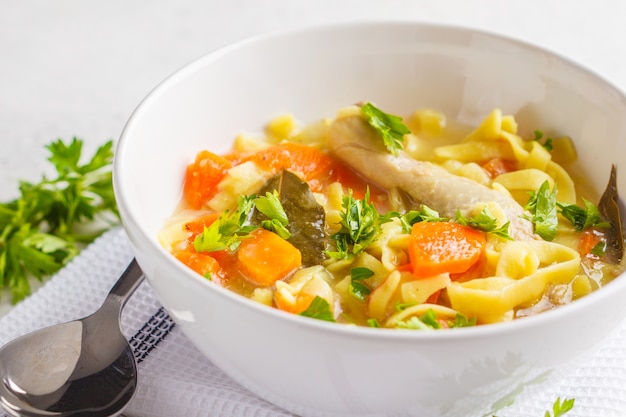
(356, 143)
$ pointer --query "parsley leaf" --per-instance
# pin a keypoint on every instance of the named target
(545, 142)
(42, 229)
(426, 321)
(390, 127)
(486, 222)
(227, 231)
(559, 408)
(359, 290)
(599, 249)
(543, 208)
(270, 205)
(582, 218)
(461, 320)
(424, 214)
(360, 226)
(319, 309)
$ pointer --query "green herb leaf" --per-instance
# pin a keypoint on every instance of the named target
(559, 408)
(546, 143)
(424, 214)
(599, 249)
(319, 309)
(427, 321)
(360, 226)
(486, 222)
(228, 230)
(582, 218)
(42, 229)
(270, 205)
(543, 208)
(373, 323)
(461, 320)
(390, 127)
(359, 290)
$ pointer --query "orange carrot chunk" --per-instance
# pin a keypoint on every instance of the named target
(265, 257)
(197, 226)
(202, 263)
(498, 166)
(313, 164)
(296, 305)
(589, 239)
(439, 247)
(202, 178)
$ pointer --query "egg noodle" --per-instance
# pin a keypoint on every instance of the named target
(337, 242)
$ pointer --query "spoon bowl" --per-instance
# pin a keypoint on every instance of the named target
(83, 367)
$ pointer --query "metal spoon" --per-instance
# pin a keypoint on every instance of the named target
(81, 368)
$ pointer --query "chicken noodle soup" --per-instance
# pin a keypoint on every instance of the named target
(375, 220)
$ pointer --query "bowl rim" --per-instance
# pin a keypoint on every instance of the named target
(503, 328)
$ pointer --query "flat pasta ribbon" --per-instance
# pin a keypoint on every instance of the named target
(523, 272)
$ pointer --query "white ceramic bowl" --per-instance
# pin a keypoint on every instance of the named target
(316, 368)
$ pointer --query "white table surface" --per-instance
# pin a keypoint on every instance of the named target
(79, 67)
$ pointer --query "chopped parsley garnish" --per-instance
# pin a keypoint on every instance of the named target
(414, 323)
(357, 288)
(429, 321)
(390, 127)
(424, 214)
(543, 209)
(228, 230)
(599, 249)
(559, 408)
(545, 142)
(270, 205)
(461, 320)
(486, 222)
(373, 323)
(582, 218)
(40, 230)
(319, 309)
(360, 226)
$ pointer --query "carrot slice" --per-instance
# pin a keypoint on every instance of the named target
(197, 226)
(265, 257)
(202, 178)
(498, 166)
(589, 239)
(313, 164)
(439, 247)
(202, 263)
(295, 305)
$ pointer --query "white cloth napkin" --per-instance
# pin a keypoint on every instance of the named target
(177, 380)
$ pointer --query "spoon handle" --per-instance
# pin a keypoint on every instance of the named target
(126, 285)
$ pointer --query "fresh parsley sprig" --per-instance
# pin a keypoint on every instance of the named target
(390, 127)
(560, 408)
(582, 218)
(230, 228)
(543, 210)
(424, 214)
(360, 226)
(227, 231)
(43, 228)
(486, 222)
(357, 288)
(277, 222)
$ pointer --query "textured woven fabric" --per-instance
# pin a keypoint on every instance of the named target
(177, 380)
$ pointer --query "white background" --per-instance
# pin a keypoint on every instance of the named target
(79, 67)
